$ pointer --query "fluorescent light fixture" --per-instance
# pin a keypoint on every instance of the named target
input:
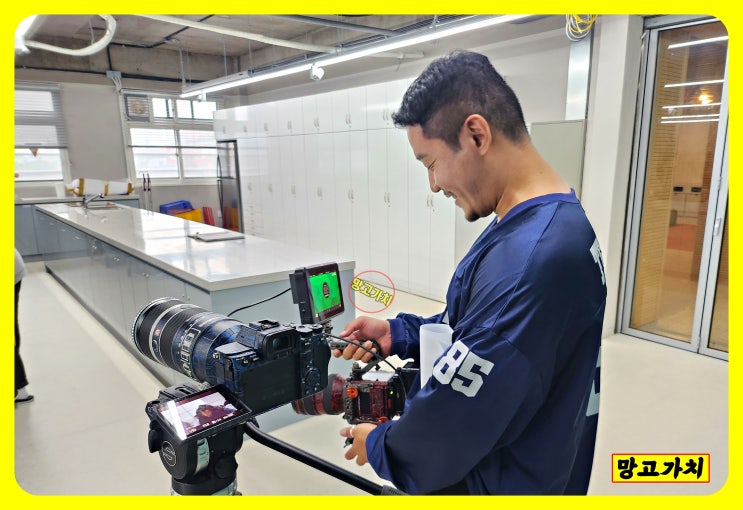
(674, 117)
(393, 43)
(690, 105)
(694, 83)
(688, 121)
(700, 41)
(430, 35)
(235, 81)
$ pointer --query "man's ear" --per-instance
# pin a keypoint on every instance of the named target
(477, 129)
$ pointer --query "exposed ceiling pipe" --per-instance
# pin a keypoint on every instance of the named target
(241, 34)
(335, 24)
(80, 52)
(265, 39)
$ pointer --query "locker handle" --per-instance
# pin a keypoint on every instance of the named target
(716, 229)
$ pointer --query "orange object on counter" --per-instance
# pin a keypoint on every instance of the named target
(194, 215)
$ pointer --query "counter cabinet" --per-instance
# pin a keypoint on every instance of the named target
(27, 235)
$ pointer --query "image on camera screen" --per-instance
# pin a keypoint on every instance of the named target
(190, 415)
(326, 294)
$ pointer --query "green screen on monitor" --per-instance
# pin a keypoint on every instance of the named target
(325, 292)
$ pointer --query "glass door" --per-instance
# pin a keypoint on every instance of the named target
(676, 291)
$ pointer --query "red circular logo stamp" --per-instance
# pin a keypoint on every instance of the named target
(371, 291)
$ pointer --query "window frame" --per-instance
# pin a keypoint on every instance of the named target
(145, 118)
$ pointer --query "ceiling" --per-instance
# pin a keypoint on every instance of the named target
(144, 32)
(220, 45)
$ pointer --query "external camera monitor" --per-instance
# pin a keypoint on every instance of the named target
(317, 291)
(202, 414)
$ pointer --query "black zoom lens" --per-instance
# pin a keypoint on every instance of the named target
(328, 401)
(182, 336)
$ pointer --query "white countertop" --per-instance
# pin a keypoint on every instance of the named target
(66, 199)
(163, 241)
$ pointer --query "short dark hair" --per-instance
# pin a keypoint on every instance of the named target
(454, 87)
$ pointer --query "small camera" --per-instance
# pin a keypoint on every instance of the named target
(316, 72)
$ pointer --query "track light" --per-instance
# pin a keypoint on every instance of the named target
(316, 72)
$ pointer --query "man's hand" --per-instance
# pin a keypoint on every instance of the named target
(357, 448)
(361, 329)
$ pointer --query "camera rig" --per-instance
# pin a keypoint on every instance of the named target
(245, 370)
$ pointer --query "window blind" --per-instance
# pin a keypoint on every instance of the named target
(39, 122)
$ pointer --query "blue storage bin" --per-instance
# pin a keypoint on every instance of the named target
(176, 207)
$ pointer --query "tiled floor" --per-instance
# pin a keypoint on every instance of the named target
(85, 432)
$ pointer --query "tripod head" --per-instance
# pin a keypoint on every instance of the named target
(197, 434)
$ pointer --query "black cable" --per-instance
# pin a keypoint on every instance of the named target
(259, 302)
(360, 346)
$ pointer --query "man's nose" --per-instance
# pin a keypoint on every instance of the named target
(432, 182)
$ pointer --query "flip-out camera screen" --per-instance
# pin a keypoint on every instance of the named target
(317, 291)
(201, 414)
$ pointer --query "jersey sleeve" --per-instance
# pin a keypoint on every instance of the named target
(481, 377)
(405, 330)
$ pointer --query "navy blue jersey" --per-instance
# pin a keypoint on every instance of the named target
(512, 406)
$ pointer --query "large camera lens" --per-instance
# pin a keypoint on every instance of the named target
(182, 336)
(328, 401)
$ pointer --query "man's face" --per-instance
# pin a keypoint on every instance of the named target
(455, 173)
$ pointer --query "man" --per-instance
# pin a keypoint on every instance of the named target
(512, 406)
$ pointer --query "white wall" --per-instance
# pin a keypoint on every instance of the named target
(609, 130)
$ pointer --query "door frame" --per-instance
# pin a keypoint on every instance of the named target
(716, 208)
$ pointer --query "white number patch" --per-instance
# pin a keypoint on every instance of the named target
(462, 369)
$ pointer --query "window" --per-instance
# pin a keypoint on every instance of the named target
(171, 138)
(40, 138)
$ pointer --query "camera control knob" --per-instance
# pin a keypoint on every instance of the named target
(312, 378)
(154, 441)
(225, 467)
